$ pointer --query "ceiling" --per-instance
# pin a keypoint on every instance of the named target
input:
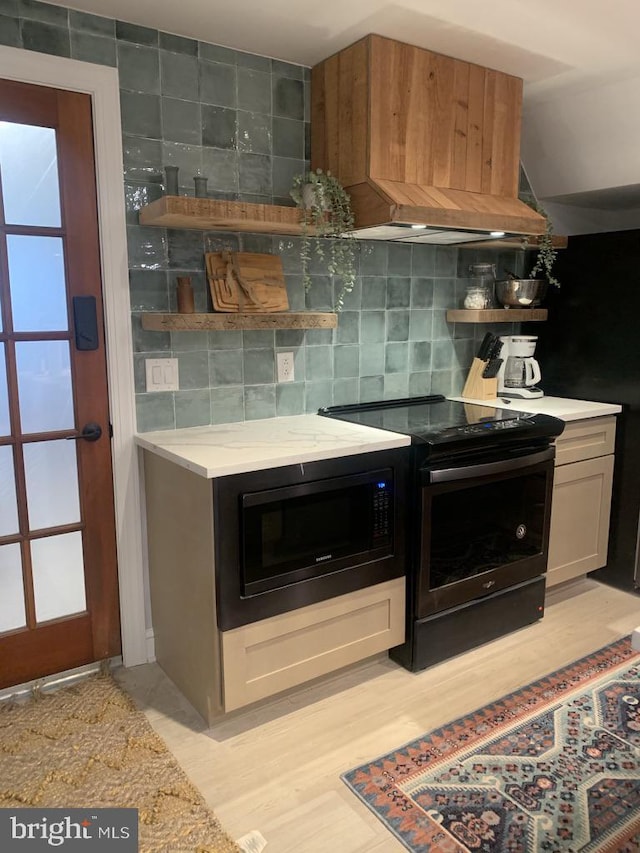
(554, 46)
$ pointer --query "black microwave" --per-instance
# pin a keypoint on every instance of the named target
(299, 534)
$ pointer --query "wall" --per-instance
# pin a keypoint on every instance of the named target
(242, 120)
(580, 149)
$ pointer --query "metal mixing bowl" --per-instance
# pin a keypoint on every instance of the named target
(521, 292)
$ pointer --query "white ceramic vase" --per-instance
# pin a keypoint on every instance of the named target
(313, 196)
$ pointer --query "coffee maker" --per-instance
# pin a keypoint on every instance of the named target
(519, 371)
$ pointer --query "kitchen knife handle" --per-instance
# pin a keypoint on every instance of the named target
(486, 346)
(496, 349)
(492, 368)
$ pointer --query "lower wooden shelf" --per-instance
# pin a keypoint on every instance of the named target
(495, 315)
(154, 322)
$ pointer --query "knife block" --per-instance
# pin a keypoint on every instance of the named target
(477, 388)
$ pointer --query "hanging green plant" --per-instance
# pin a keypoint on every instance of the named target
(326, 212)
(547, 254)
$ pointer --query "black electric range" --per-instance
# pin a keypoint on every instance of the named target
(442, 427)
(479, 498)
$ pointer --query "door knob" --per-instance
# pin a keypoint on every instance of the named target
(90, 432)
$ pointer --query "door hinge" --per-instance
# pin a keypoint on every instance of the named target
(110, 430)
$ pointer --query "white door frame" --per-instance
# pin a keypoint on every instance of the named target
(101, 83)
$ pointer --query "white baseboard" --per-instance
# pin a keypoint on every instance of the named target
(151, 645)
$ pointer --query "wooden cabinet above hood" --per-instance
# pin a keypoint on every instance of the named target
(418, 138)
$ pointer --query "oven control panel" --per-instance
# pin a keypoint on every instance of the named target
(485, 426)
(459, 433)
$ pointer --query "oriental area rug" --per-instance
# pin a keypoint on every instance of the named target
(553, 767)
(88, 746)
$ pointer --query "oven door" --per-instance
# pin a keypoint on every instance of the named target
(483, 526)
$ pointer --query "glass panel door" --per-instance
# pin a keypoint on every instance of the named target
(58, 581)
(12, 604)
(37, 303)
(37, 283)
(29, 164)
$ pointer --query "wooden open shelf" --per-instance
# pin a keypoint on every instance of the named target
(209, 214)
(153, 322)
(496, 315)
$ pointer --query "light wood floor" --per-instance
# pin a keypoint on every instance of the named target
(276, 768)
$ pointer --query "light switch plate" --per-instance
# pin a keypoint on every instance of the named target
(162, 374)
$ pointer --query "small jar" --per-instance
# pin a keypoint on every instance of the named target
(483, 278)
(478, 296)
(200, 183)
(171, 180)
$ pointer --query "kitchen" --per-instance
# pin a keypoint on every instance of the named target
(401, 286)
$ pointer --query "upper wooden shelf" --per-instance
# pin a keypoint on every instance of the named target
(154, 322)
(496, 315)
(210, 214)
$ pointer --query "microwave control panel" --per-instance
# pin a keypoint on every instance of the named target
(382, 508)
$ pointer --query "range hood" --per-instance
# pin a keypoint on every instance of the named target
(427, 146)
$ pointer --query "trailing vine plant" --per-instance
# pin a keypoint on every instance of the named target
(326, 212)
(546, 252)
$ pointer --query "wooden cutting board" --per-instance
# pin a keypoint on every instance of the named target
(246, 282)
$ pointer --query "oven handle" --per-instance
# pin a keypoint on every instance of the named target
(467, 472)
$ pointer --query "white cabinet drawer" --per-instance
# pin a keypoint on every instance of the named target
(586, 440)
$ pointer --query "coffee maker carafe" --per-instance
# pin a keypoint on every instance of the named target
(519, 371)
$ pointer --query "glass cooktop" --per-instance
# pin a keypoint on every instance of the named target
(434, 419)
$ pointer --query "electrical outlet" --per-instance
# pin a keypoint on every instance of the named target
(284, 361)
(161, 374)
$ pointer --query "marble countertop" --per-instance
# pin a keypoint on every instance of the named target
(560, 407)
(222, 449)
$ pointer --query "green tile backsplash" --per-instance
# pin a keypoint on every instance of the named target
(243, 122)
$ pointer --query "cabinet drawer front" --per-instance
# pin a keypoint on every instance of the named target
(266, 657)
(585, 440)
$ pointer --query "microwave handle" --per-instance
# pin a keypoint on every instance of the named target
(468, 472)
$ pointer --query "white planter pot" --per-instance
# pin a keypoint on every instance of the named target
(313, 196)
